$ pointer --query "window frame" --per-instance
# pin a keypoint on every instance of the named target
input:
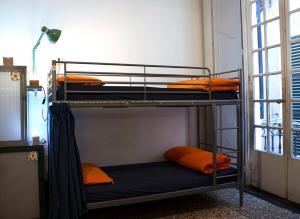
(266, 74)
(289, 98)
(286, 72)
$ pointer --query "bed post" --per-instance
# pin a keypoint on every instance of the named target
(214, 142)
(145, 83)
(53, 78)
(240, 138)
(198, 125)
(65, 83)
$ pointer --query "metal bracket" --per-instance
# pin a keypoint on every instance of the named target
(33, 156)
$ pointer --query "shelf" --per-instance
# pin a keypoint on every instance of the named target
(34, 88)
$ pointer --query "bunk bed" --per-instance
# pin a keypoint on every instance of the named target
(135, 85)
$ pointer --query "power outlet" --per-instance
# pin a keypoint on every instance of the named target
(33, 156)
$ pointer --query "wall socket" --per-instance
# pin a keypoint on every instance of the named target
(32, 156)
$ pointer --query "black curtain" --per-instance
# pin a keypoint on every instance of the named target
(67, 197)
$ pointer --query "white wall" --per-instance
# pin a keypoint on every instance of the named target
(227, 54)
(131, 135)
(134, 31)
(167, 32)
(208, 39)
(222, 35)
(227, 35)
(223, 49)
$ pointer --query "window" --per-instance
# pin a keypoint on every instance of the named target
(267, 76)
(295, 63)
(275, 73)
(295, 72)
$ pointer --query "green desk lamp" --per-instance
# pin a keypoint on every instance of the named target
(53, 36)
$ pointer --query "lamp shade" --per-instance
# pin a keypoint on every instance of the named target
(52, 34)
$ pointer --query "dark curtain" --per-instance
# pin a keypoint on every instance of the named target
(67, 198)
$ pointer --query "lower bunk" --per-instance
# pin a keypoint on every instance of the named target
(69, 198)
(153, 181)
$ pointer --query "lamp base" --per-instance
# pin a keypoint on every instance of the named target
(34, 83)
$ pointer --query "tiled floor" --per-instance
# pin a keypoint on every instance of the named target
(215, 204)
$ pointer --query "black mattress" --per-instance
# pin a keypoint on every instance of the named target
(150, 178)
(114, 93)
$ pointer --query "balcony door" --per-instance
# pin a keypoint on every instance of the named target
(267, 97)
(274, 83)
(293, 98)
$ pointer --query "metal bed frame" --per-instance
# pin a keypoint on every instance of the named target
(211, 104)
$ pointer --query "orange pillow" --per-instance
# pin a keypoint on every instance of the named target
(229, 88)
(199, 84)
(175, 153)
(91, 80)
(92, 175)
(224, 82)
(203, 161)
(217, 84)
(196, 159)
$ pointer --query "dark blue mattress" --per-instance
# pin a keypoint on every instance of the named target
(115, 93)
(148, 179)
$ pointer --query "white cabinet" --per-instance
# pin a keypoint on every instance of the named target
(22, 185)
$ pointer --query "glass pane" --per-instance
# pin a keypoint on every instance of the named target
(258, 37)
(296, 85)
(259, 88)
(273, 33)
(295, 54)
(259, 62)
(276, 141)
(294, 24)
(272, 9)
(275, 89)
(260, 113)
(260, 139)
(274, 59)
(294, 4)
(296, 115)
(275, 114)
(296, 144)
(257, 12)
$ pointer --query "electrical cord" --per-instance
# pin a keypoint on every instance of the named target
(43, 102)
(45, 119)
(44, 99)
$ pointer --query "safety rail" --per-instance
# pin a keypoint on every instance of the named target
(145, 76)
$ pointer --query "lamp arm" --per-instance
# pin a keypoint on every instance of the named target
(33, 51)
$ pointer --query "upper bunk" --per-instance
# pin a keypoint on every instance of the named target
(95, 84)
